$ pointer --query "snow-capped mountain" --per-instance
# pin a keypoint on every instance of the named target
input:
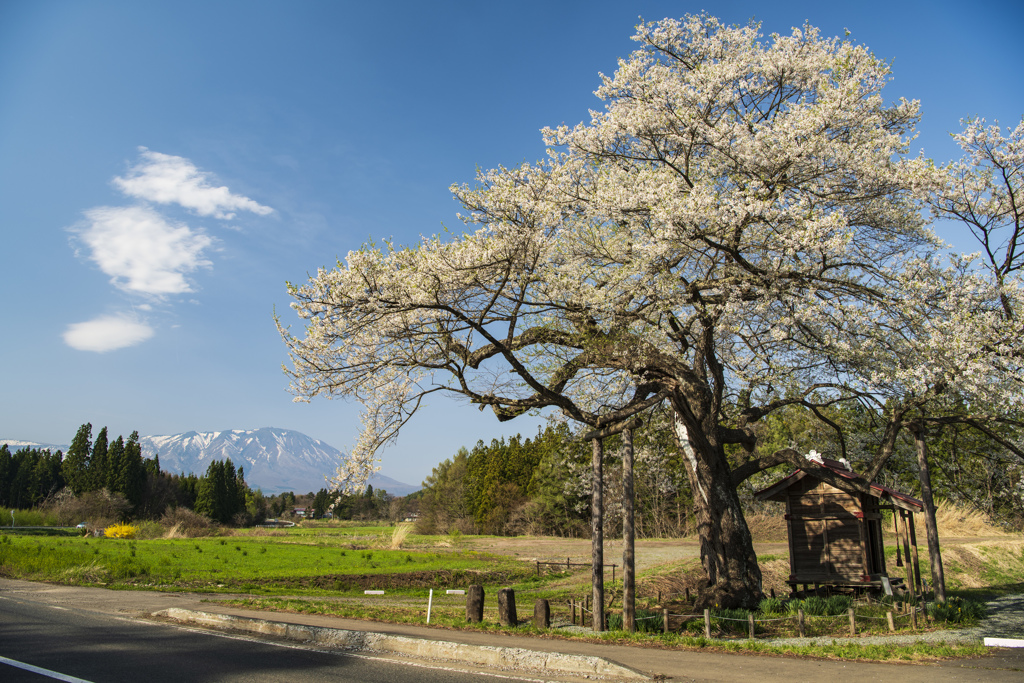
(275, 460)
(15, 444)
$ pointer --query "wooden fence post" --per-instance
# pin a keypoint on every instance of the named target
(800, 622)
(888, 616)
(707, 623)
(664, 621)
(853, 624)
(750, 624)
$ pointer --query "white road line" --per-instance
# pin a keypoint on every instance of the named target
(44, 672)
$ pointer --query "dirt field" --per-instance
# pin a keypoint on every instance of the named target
(971, 562)
(649, 553)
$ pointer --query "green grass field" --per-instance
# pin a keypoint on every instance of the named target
(295, 561)
(325, 569)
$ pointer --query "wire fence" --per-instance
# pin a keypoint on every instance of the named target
(866, 615)
(712, 623)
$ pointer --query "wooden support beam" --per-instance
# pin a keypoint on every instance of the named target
(906, 553)
(913, 547)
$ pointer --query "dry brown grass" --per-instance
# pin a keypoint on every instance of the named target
(768, 524)
(956, 521)
(184, 523)
(399, 535)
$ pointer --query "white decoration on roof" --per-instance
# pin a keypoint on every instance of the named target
(846, 464)
(815, 456)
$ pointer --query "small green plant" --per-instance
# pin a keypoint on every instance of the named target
(958, 611)
(646, 621)
(771, 606)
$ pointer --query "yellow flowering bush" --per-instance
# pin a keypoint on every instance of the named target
(121, 531)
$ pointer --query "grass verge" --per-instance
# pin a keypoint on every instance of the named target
(449, 617)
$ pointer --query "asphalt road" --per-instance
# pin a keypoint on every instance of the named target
(108, 649)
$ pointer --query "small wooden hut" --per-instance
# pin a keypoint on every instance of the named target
(835, 532)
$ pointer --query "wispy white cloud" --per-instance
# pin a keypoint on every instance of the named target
(141, 250)
(106, 333)
(168, 179)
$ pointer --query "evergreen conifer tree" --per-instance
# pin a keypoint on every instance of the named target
(76, 462)
(98, 463)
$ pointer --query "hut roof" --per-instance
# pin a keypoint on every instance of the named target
(900, 500)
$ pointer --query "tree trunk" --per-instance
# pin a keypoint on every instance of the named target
(628, 536)
(934, 553)
(726, 547)
(597, 534)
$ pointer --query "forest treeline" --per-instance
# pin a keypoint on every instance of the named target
(538, 485)
(104, 481)
(542, 485)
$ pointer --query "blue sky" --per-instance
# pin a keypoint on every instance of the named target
(165, 167)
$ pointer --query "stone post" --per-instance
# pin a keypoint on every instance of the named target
(507, 607)
(475, 604)
(541, 614)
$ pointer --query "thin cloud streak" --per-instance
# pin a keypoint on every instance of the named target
(168, 179)
(106, 333)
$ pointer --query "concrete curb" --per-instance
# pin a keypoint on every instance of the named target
(366, 641)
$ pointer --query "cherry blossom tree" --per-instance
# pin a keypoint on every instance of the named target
(736, 199)
(984, 191)
(951, 354)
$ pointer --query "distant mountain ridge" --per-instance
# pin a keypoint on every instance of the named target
(275, 460)
(17, 444)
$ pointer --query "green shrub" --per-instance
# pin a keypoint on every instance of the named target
(816, 606)
(149, 530)
(838, 604)
(771, 606)
(958, 611)
(730, 620)
(649, 621)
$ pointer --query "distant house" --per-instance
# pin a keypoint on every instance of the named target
(835, 533)
(300, 512)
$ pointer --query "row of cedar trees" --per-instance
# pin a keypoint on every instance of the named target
(33, 477)
(542, 486)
